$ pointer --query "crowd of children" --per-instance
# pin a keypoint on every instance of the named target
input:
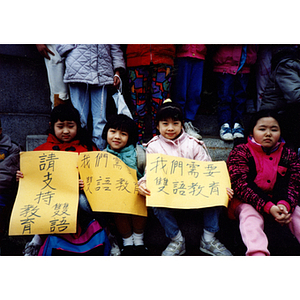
(264, 172)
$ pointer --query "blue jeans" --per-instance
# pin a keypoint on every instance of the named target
(86, 97)
(188, 85)
(232, 97)
(169, 223)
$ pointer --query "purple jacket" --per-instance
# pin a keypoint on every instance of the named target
(227, 58)
(248, 186)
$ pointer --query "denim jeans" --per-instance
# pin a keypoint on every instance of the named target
(232, 97)
(86, 97)
(169, 223)
(188, 85)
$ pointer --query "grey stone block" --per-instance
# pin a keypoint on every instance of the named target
(218, 149)
(32, 141)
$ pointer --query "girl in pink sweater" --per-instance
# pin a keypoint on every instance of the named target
(173, 140)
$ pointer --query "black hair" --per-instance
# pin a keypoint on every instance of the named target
(263, 114)
(168, 110)
(67, 112)
(124, 123)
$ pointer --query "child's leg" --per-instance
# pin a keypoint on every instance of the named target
(138, 225)
(123, 223)
(208, 243)
(252, 230)
(240, 97)
(80, 99)
(138, 83)
(98, 110)
(160, 89)
(225, 89)
(167, 221)
(294, 225)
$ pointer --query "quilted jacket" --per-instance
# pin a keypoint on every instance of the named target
(192, 50)
(91, 63)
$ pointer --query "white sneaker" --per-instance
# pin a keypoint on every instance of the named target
(225, 132)
(237, 131)
(214, 247)
(191, 130)
(175, 248)
(31, 249)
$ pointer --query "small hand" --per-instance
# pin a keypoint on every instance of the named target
(117, 80)
(230, 193)
(19, 175)
(280, 214)
(143, 189)
(44, 50)
(81, 184)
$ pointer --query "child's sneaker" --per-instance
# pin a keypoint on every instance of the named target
(225, 132)
(31, 249)
(175, 248)
(191, 130)
(214, 247)
(237, 131)
(115, 249)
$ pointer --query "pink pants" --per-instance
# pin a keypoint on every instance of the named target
(252, 229)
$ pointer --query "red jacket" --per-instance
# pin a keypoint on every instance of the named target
(54, 144)
(144, 54)
(227, 58)
(195, 51)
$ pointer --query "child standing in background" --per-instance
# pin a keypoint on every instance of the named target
(187, 87)
(173, 140)
(90, 68)
(265, 176)
(120, 132)
(232, 68)
(150, 73)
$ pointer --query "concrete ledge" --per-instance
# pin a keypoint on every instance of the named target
(218, 149)
(32, 141)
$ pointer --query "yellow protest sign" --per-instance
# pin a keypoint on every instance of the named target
(177, 182)
(109, 184)
(47, 198)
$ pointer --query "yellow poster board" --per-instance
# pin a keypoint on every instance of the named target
(109, 184)
(47, 198)
(177, 182)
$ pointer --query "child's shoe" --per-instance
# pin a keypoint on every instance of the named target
(115, 249)
(225, 132)
(175, 248)
(31, 249)
(237, 131)
(128, 250)
(191, 130)
(141, 250)
(214, 247)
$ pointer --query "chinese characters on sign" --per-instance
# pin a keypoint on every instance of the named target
(177, 182)
(109, 184)
(47, 199)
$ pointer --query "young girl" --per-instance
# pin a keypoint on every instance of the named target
(65, 134)
(265, 177)
(121, 134)
(173, 140)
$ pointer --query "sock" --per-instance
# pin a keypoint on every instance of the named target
(208, 236)
(138, 239)
(128, 241)
(178, 237)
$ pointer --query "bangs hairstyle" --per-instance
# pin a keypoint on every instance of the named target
(169, 110)
(64, 112)
(123, 123)
(263, 114)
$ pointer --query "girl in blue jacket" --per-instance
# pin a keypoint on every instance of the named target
(121, 134)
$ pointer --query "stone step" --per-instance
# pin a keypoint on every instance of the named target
(218, 149)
